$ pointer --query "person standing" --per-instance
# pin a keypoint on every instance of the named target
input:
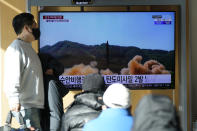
(54, 91)
(23, 83)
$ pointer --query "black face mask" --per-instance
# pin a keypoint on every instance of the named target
(36, 33)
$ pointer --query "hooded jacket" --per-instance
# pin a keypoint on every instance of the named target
(156, 113)
(85, 107)
(111, 119)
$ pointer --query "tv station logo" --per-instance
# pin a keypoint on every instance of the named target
(162, 20)
(55, 18)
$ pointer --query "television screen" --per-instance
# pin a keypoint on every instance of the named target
(133, 48)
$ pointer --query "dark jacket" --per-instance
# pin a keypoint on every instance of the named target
(86, 106)
(49, 62)
(54, 91)
(156, 113)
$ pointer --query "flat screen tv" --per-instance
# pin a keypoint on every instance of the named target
(133, 48)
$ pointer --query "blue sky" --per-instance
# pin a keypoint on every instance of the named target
(118, 28)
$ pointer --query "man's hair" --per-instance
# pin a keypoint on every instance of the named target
(19, 21)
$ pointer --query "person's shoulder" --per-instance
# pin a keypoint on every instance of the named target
(14, 48)
(16, 44)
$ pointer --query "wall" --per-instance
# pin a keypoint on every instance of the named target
(9, 8)
(0, 67)
(193, 41)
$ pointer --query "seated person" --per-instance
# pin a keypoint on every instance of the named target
(87, 105)
(116, 114)
(54, 91)
(156, 113)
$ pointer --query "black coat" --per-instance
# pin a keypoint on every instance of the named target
(86, 106)
(54, 91)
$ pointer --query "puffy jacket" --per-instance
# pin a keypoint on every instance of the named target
(86, 106)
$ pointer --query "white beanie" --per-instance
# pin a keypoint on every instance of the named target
(117, 96)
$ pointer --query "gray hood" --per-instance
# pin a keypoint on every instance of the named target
(156, 113)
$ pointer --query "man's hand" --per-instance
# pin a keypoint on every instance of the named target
(16, 107)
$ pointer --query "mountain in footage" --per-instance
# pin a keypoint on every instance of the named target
(107, 56)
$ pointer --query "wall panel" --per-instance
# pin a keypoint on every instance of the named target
(9, 8)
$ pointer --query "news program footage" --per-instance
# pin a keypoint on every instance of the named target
(136, 49)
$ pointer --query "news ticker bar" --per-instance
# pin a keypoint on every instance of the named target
(124, 79)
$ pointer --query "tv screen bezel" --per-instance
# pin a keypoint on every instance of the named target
(175, 10)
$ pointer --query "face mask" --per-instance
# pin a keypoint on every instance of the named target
(36, 33)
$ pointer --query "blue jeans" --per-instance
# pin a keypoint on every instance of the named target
(31, 117)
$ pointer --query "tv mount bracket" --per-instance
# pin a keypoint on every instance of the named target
(81, 2)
